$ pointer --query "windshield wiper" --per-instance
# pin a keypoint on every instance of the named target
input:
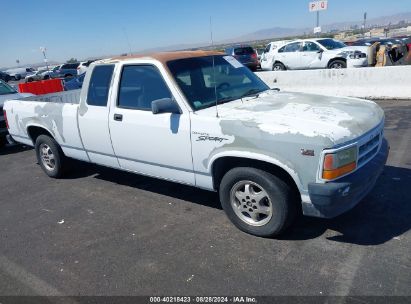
(251, 92)
(225, 99)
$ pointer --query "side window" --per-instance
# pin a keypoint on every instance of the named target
(292, 47)
(310, 47)
(100, 85)
(140, 85)
(282, 50)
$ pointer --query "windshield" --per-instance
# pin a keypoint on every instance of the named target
(331, 44)
(5, 89)
(200, 83)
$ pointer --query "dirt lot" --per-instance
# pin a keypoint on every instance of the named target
(106, 232)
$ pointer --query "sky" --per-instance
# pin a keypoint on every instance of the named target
(90, 28)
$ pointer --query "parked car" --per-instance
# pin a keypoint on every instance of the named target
(6, 93)
(319, 53)
(20, 73)
(39, 75)
(66, 70)
(244, 54)
(203, 119)
(5, 77)
(83, 66)
(74, 83)
(371, 41)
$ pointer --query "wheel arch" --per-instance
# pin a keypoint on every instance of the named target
(221, 165)
(335, 59)
(34, 131)
(278, 61)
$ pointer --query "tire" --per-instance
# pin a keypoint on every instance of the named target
(267, 210)
(17, 77)
(46, 77)
(278, 66)
(30, 80)
(337, 64)
(50, 156)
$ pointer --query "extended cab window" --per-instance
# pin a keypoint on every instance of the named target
(140, 85)
(100, 85)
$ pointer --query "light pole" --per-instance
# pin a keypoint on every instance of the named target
(43, 50)
(363, 26)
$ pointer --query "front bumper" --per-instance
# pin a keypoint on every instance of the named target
(334, 198)
(357, 63)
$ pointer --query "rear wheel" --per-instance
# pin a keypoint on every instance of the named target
(257, 202)
(30, 80)
(50, 156)
(278, 66)
(337, 64)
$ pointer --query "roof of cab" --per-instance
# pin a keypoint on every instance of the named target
(165, 57)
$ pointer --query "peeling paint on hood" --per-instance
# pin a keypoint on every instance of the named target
(339, 119)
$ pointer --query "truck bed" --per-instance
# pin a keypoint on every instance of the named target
(55, 112)
(72, 97)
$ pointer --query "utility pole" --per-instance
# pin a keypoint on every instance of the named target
(43, 50)
(318, 22)
(363, 25)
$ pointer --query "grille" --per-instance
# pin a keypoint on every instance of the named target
(368, 150)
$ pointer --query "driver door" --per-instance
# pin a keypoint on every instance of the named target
(157, 145)
(311, 56)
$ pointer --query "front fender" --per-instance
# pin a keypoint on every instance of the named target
(258, 157)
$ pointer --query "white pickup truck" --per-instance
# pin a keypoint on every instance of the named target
(203, 119)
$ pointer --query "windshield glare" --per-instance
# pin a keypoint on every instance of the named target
(200, 83)
(6, 89)
(331, 44)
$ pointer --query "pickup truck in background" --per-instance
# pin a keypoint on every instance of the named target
(203, 119)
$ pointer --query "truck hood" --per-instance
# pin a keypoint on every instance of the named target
(334, 120)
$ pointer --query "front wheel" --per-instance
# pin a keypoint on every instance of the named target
(257, 202)
(337, 64)
(50, 156)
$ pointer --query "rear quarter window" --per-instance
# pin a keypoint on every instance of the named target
(99, 85)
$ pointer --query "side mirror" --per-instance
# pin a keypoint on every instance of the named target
(320, 51)
(165, 105)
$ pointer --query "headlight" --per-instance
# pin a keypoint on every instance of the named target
(358, 55)
(339, 163)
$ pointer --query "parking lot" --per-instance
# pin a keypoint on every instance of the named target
(106, 232)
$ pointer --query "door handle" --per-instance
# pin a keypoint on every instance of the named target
(118, 117)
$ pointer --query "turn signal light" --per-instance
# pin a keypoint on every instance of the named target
(333, 174)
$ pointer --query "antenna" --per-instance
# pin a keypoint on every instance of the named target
(215, 84)
(128, 41)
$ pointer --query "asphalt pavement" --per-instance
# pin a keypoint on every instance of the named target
(107, 232)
